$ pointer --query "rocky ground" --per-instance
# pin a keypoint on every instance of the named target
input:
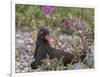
(25, 47)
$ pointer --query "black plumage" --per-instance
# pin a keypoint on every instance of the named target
(43, 48)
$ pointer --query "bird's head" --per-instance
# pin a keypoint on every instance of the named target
(43, 34)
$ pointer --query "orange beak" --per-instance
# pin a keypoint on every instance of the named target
(49, 39)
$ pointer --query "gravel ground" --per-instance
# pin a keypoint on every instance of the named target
(25, 47)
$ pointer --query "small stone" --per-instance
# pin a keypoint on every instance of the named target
(18, 63)
(78, 66)
(48, 63)
(59, 43)
(26, 69)
(18, 71)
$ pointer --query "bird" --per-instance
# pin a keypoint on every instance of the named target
(43, 48)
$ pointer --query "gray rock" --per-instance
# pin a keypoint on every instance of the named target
(78, 66)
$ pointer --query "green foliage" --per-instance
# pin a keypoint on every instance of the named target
(52, 64)
(31, 17)
(69, 66)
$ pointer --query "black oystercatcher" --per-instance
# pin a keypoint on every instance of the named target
(43, 48)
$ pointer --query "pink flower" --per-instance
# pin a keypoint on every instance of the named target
(48, 9)
(66, 23)
(81, 25)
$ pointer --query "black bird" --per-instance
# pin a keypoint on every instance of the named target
(43, 48)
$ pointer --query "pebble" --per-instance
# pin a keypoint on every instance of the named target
(25, 57)
(78, 66)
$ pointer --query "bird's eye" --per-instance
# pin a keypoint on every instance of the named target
(41, 32)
